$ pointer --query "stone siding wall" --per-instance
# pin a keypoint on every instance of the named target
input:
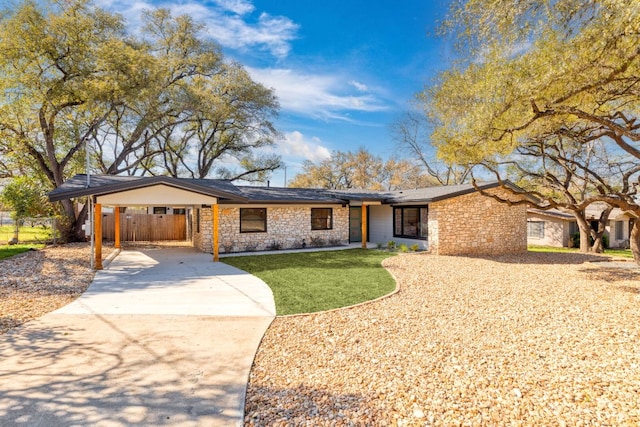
(474, 224)
(287, 226)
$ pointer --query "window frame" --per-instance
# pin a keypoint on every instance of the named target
(328, 219)
(246, 211)
(419, 225)
(541, 232)
(619, 232)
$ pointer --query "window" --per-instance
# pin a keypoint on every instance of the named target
(619, 230)
(535, 229)
(253, 220)
(162, 210)
(321, 218)
(410, 222)
(179, 211)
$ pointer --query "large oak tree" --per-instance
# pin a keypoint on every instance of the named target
(73, 77)
(534, 71)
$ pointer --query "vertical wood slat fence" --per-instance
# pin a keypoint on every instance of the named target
(145, 227)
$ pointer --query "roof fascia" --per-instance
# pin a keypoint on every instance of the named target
(143, 183)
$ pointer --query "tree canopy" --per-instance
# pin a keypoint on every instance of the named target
(533, 74)
(162, 100)
(363, 170)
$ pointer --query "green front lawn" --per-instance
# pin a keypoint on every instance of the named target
(625, 253)
(7, 251)
(308, 282)
(26, 233)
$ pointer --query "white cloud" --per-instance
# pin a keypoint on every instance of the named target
(315, 95)
(360, 86)
(272, 33)
(295, 144)
(241, 7)
(226, 22)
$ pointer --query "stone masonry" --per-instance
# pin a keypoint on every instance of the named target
(287, 227)
(475, 224)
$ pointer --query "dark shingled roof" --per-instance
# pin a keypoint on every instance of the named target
(108, 184)
(230, 193)
(288, 195)
(434, 194)
(552, 212)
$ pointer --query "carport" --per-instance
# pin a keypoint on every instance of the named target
(118, 191)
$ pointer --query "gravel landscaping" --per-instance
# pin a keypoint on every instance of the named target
(522, 340)
(533, 339)
(37, 282)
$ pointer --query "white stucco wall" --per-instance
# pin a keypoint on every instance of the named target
(556, 231)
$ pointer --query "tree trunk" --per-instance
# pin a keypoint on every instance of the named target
(70, 226)
(585, 231)
(597, 246)
(597, 235)
(634, 241)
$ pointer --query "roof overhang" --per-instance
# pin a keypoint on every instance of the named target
(158, 194)
(107, 191)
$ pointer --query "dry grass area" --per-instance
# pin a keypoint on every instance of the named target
(537, 339)
(37, 282)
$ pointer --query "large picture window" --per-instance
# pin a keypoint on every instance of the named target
(321, 218)
(253, 220)
(411, 222)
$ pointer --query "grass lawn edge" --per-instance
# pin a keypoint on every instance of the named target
(305, 283)
(346, 307)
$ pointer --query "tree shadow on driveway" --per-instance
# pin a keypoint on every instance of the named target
(107, 371)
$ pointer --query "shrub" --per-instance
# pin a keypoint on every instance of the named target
(574, 241)
(317, 241)
(403, 248)
(391, 245)
(414, 247)
(297, 244)
(378, 245)
(334, 242)
(274, 246)
(228, 247)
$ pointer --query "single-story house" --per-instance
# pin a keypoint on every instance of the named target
(554, 228)
(224, 217)
(550, 228)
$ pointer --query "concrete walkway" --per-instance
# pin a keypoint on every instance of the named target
(161, 337)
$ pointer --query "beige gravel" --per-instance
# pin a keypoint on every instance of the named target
(519, 340)
(37, 282)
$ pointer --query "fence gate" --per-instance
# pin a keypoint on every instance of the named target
(145, 227)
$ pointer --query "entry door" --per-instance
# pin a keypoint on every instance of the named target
(355, 224)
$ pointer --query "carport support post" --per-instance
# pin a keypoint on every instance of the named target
(364, 226)
(215, 219)
(116, 218)
(97, 230)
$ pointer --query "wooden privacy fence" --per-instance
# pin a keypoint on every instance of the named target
(145, 227)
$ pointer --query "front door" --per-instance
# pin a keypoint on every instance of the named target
(355, 224)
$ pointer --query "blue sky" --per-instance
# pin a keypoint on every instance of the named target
(343, 70)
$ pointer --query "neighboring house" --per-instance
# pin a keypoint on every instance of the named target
(618, 228)
(550, 228)
(554, 228)
(231, 218)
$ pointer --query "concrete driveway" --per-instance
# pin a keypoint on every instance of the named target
(161, 337)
